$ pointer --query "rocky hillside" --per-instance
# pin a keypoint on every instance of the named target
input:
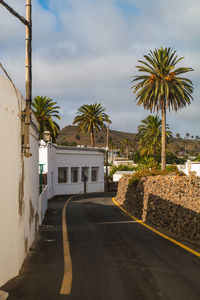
(69, 136)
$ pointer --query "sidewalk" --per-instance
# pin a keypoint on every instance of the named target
(42, 273)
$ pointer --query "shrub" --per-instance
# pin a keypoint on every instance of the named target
(77, 137)
(135, 178)
(121, 167)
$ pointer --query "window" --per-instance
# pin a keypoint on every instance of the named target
(74, 174)
(84, 172)
(94, 173)
(62, 175)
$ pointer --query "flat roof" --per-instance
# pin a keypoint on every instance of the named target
(59, 147)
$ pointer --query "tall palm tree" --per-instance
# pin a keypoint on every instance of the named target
(161, 87)
(187, 135)
(125, 143)
(91, 118)
(112, 146)
(45, 109)
(149, 134)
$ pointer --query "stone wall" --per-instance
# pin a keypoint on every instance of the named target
(170, 202)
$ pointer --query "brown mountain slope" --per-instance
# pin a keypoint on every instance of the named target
(69, 136)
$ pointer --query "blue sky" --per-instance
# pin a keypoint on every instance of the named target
(44, 4)
(86, 52)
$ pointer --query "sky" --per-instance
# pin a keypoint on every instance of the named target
(86, 52)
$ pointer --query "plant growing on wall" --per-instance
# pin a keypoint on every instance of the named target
(45, 109)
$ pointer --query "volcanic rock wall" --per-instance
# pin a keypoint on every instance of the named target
(170, 202)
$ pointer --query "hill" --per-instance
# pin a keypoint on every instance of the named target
(69, 136)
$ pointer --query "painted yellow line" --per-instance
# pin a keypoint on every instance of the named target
(157, 232)
(117, 222)
(67, 276)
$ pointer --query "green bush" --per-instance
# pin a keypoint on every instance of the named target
(77, 137)
(135, 178)
(121, 167)
(173, 159)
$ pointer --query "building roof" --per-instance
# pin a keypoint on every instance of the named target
(59, 147)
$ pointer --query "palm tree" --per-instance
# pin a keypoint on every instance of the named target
(187, 135)
(112, 146)
(160, 87)
(178, 135)
(91, 117)
(45, 109)
(125, 143)
(149, 134)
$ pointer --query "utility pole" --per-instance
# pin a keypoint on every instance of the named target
(107, 149)
(28, 78)
(26, 114)
(107, 135)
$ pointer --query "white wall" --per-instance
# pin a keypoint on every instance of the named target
(118, 162)
(190, 166)
(120, 174)
(73, 157)
(19, 185)
(43, 156)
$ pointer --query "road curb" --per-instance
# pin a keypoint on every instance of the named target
(194, 252)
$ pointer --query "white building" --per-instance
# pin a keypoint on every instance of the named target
(123, 161)
(67, 166)
(20, 207)
(190, 166)
(120, 174)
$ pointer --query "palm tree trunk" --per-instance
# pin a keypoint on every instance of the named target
(127, 153)
(154, 154)
(112, 156)
(92, 137)
(163, 152)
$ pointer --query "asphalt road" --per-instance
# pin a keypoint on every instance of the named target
(113, 258)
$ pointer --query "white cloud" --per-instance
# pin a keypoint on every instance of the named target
(85, 51)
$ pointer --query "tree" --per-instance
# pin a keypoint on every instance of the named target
(112, 146)
(45, 109)
(91, 118)
(161, 87)
(125, 144)
(149, 133)
(187, 135)
(178, 135)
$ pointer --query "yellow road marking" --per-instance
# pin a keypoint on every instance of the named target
(157, 232)
(118, 222)
(67, 276)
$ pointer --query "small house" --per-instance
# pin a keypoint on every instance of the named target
(72, 170)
